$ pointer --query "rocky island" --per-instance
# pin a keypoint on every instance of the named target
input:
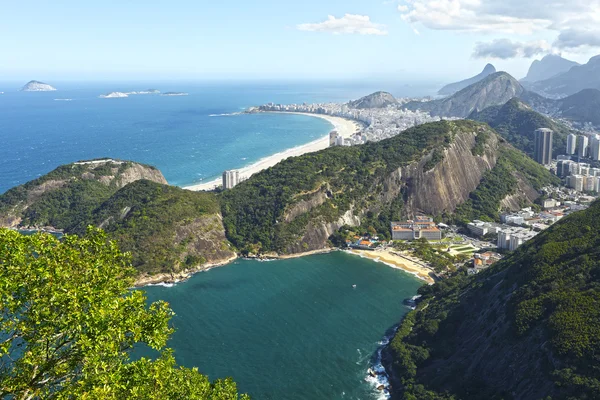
(37, 86)
(113, 95)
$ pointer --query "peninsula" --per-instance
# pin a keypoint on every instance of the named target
(37, 86)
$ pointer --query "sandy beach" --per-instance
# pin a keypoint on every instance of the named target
(344, 127)
(398, 262)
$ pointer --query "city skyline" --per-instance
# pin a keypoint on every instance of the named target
(389, 40)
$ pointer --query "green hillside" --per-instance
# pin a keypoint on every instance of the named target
(254, 211)
(516, 122)
(165, 228)
(527, 328)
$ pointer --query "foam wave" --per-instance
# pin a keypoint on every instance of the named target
(164, 284)
(225, 115)
(377, 376)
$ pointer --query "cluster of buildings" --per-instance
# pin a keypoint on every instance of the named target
(579, 176)
(518, 227)
(380, 123)
(335, 139)
(584, 146)
(420, 227)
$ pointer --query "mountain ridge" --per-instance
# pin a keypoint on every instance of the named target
(452, 88)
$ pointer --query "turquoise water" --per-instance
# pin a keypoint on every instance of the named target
(289, 329)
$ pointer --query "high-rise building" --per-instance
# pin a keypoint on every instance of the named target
(571, 144)
(563, 168)
(231, 178)
(582, 146)
(543, 146)
(332, 138)
(577, 182)
(595, 148)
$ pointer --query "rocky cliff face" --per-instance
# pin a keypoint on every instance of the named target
(431, 191)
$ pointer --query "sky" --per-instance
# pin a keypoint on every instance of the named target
(401, 40)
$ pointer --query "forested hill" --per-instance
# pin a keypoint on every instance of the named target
(456, 169)
(516, 122)
(527, 328)
(64, 197)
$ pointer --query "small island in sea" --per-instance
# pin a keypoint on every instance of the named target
(147, 91)
(37, 86)
(113, 95)
(174, 94)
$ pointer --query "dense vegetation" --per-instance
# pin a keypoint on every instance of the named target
(499, 182)
(64, 196)
(527, 328)
(516, 122)
(144, 218)
(254, 211)
(69, 322)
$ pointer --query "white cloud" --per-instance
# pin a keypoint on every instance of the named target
(575, 22)
(348, 24)
(505, 49)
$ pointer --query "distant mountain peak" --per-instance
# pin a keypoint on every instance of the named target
(550, 65)
(457, 86)
(494, 89)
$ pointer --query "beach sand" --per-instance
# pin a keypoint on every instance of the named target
(398, 262)
(344, 127)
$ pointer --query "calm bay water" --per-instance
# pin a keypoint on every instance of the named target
(288, 329)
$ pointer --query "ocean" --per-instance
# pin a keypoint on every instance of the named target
(190, 138)
(289, 329)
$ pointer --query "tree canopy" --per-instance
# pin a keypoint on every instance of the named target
(69, 321)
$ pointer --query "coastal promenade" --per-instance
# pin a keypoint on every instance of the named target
(345, 127)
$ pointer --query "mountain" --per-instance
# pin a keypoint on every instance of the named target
(374, 100)
(579, 77)
(65, 196)
(526, 328)
(493, 90)
(581, 107)
(516, 121)
(167, 230)
(548, 67)
(455, 87)
(437, 169)
(36, 86)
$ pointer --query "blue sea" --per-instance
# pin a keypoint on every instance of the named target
(189, 138)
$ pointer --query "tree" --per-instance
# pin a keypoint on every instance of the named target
(69, 321)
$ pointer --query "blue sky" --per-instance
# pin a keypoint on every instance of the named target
(265, 39)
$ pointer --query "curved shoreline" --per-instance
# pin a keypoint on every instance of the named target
(345, 127)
